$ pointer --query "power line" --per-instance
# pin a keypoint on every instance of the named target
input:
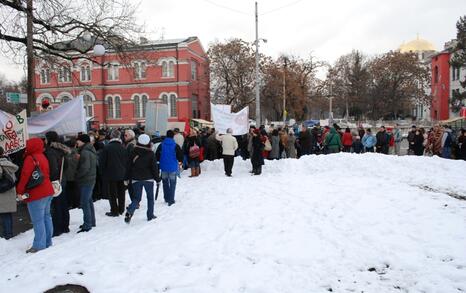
(282, 7)
(228, 8)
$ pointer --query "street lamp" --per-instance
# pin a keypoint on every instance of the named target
(258, 99)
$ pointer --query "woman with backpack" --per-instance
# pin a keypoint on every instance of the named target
(35, 188)
(192, 151)
(7, 194)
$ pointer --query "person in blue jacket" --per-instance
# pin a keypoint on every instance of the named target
(369, 141)
(169, 155)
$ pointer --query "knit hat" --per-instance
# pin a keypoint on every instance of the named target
(84, 138)
(143, 139)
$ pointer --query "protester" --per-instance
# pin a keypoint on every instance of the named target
(290, 147)
(142, 172)
(113, 164)
(398, 137)
(179, 138)
(229, 146)
(169, 155)
(257, 158)
(275, 142)
(347, 140)
(383, 140)
(332, 142)
(86, 174)
(8, 197)
(447, 142)
(56, 153)
(37, 192)
(305, 141)
(357, 145)
(462, 144)
(418, 143)
(369, 141)
(192, 151)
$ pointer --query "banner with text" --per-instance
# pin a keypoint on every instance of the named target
(223, 120)
(13, 134)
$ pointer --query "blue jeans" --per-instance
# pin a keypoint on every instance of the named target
(39, 211)
(446, 153)
(169, 186)
(7, 220)
(137, 195)
(87, 205)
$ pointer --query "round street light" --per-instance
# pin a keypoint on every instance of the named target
(99, 50)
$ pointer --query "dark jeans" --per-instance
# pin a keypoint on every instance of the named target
(137, 195)
(73, 194)
(116, 192)
(7, 222)
(87, 206)
(228, 163)
(370, 150)
(169, 186)
(60, 213)
(257, 170)
(346, 149)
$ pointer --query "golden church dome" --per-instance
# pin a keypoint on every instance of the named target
(417, 45)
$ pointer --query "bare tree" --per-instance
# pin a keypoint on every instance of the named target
(64, 29)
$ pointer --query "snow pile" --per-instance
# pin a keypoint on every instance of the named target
(336, 223)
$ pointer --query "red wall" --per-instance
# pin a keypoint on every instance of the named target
(126, 86)
(440, 86)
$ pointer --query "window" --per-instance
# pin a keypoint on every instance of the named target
(44, 75)
(64, 74)
(436, 74)
(85, 72)
(113, 72)
(165, 99)
(168, 69)
(110, 107)
(88, 105)
(139, 70)
(117, 107)
(193, 70)
(172, 105)
(137, 108)
(144, 105)
(194, 106)
(65, 99)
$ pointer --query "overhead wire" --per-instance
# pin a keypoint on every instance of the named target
(282, 7)
(228, 8)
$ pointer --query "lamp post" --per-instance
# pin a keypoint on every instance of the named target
(258, 98)
(284, 89)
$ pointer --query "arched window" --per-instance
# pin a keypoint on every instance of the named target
(117, 107)
(165, 99)
(164, 69)
(65, 99)
(137, 108)
(113, 71)
(110, 107)
(64, 74)
(139, 70)
(144, 105)
(172, 105)
(88, 105)
(168, 68)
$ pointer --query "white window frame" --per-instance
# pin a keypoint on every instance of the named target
(110, 107)
(193, 70)
(171, 100)
(168, 67)
(144, 100)
(88, 105)
(45, 76)
(140, 69)
(64, 74)
(85, 72)
(117, 107)
(113, 72)
(137, 106)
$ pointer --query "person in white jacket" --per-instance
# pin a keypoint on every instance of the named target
(229, 145)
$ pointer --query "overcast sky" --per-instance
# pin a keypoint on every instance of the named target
(328, 28)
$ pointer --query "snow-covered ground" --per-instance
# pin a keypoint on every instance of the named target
(341, 223)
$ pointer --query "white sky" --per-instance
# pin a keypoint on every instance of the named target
(328, 28)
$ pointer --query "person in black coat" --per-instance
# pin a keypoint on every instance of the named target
(257, 160)
(418, 145)
(191, 143)
(305, 141)
(113, 164)
(462, 144)
(142, 171)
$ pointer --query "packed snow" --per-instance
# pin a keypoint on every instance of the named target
(339, 223)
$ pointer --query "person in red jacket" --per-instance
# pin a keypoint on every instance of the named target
(39, 197)
(347, 140)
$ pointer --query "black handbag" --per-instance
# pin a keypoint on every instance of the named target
(6, 183)
(36, 178)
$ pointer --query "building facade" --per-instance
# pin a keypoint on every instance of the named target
(117, 87)
(440, 109)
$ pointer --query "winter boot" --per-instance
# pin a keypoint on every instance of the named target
(128, 217)
(193, 173)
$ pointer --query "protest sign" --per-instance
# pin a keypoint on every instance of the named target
(223, 120)
(13, 134)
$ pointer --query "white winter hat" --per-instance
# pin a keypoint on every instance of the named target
(144, 139)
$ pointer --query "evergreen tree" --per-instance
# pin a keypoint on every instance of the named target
(459, 61)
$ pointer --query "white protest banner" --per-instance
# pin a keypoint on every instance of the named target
(13, 134)
(222, 108)
(68, 118)
(224, 120)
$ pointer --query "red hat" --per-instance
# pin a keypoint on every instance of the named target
(45, 103)
(256, 131)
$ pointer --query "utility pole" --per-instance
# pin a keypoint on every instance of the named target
(258, 99)
(284, 90)
(30, 59)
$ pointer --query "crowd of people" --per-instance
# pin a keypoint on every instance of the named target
(54, 174)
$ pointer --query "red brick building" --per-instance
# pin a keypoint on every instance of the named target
(440, 109)
(116, 88)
